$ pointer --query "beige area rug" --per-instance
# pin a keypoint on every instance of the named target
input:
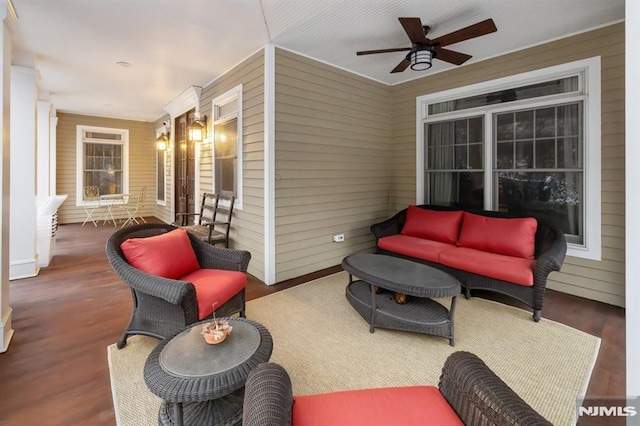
(326, 346)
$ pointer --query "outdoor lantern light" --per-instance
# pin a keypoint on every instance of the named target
(198, 128)
(420, 59)
(162, 141)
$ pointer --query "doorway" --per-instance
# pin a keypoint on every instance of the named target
(185, 174)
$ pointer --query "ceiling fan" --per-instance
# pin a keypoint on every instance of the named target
(423, 50)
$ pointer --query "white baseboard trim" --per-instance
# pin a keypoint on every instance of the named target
(23, 269)
(6, 332)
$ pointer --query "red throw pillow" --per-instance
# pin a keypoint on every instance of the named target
(433, 225)
(510, 237)
(167, 255)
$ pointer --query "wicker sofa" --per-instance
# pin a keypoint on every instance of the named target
(484, 250)
(468, 393)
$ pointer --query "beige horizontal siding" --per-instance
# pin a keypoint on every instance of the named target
(141, 162)
(603, 280)
(247, 230)
(332, 163)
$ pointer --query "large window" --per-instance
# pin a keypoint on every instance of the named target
(527, 145)
(102, 160)
(227, 144)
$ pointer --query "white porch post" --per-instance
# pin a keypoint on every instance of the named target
(6, 332)
(23, 261)
(43, 170)
(632, 201)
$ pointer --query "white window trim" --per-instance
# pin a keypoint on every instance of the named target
(80, 161)
(591, 67)
(226, 97)
(163, 203)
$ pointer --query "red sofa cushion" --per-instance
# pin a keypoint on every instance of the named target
(167, 255)
(413, 246)
(412, 405)
(511, 237)
(507, 268)
(432, 224)
(214, 286)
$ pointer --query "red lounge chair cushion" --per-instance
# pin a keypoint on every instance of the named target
(214, 286)
(510, 237)
(168, 255)
(432, 225)
(414, 247)
(407, 406)
(506, 268)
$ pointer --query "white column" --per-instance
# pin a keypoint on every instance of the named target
(6, 332)
(632, 203)
(53, 144)
(23, 262)
(43, 150)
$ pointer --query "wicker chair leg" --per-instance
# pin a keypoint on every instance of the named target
(122, 341)
(537, 313)
(467, 293)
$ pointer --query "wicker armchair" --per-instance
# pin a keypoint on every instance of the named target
(163, 306)
(476, 394)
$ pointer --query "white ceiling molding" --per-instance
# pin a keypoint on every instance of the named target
(188, 99)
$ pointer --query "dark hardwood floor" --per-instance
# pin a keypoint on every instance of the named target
(55, 371)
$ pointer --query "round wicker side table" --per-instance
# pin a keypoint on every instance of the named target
(201, 383)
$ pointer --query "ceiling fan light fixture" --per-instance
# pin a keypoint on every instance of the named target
(421, 59)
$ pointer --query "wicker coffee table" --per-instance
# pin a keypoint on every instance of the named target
(203, 384)
(420, 313)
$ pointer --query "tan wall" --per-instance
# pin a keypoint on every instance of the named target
(141, 161)
(603, 281)
(331, 163)
(247, 230)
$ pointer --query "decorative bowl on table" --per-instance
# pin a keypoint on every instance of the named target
(216, 331)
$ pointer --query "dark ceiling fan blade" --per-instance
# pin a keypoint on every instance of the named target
(451, 56)
(413, 28)
(371, 52)
(472, 31)
(401, 66)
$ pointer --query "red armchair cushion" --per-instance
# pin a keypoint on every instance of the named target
(506, 268)
(168, 255)
(432, 224)
(412, 405)
(413, 247)
(214, 286)
(510, 237)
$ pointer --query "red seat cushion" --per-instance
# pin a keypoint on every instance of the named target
(406, 406)
(214, 286)
(507, 268)
(167, 255)
(413, 247)
(432, 224)
(511, 237)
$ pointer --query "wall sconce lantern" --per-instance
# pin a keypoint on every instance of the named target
(198, 129)
(162, 142)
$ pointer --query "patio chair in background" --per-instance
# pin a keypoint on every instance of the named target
(216, 211)
(91, 199)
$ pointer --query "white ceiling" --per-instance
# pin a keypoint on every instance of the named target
(174, 44)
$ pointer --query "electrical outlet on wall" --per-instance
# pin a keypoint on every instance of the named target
(338, 238)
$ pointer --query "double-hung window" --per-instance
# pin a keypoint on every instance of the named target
(526, 145)
(227, 144)
(101, 160)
